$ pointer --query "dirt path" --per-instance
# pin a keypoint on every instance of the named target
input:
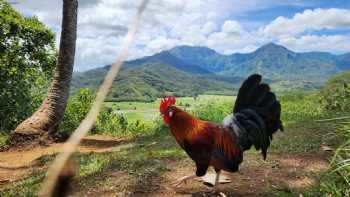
(17, 164)
(281, 172)
(255, 178)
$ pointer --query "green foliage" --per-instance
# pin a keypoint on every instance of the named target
(299, 107)
(335, 99)
(77, 108)
(27, 58)
(112, 123)
(341, 159)
(336, 182)
(139, 128)
(329, 184)
(213, 112)
(335, 96)
(3, 139)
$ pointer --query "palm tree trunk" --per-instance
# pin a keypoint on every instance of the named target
(51, 111)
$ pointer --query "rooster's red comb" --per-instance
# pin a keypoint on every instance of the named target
(166, 102)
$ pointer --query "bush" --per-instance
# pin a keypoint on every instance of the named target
(77, 108)
(111, 123)
(213, 112)
(300, 107)
(335, 96)
(116, 124)
(139, 128)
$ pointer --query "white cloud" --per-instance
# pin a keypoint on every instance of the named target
(339, 43)
(160, 44)
(231, 27)
(102, 25)
(309, 20)
(208, 27)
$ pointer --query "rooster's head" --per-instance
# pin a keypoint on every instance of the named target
(165, 108)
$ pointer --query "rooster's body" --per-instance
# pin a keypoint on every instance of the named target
(255, 117)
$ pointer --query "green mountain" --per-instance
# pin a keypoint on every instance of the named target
(188, 70)
(273, 61)
(278, 63)
(204, 57)
(149, 81)
(165, 57)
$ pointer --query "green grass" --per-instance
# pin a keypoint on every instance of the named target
(143, 116)
(181, 101)
(28, 187)
(3, 139)
(131, 105)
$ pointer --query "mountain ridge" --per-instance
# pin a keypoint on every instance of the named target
(278, 64)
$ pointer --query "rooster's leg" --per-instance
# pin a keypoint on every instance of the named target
(216, 184)
(216, 189)
(183, 180)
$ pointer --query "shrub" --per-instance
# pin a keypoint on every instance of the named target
(111, 123)
(335, 96)
(300, 107)
(213, 112)
(77, 108)
(139, 128)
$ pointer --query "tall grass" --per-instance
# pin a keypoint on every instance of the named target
(335, 99)
(300, 107)
(341, 159)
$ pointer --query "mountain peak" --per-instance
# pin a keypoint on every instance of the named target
(274, 46)
(185, 49)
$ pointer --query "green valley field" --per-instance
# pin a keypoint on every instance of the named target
(148, 111)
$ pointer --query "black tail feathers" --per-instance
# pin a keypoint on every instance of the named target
(258, 111)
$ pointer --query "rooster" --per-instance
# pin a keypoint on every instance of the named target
(255, 118)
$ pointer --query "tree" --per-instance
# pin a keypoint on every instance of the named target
(45, 120)
(27, 58)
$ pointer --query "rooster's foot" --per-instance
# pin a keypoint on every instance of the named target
(182, 180)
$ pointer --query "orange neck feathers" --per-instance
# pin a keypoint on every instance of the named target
(183, 124)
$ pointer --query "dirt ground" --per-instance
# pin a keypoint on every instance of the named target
(280, 172)
(255, 178)
(16, 164)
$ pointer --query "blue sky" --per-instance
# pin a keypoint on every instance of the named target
(265, 15)
(228, 26)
